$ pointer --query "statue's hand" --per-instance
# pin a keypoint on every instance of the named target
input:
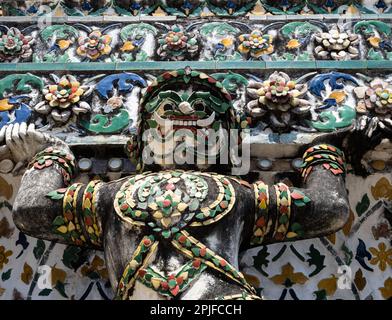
(21, 142)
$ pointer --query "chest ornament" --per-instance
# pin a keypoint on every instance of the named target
(165, 204)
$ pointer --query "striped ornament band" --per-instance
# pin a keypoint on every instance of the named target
(50, 157)
(330, 157)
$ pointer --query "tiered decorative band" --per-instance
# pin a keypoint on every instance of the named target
(330, 157)
(263, 222)
(63, 161)
(283, 202)
(78, 225)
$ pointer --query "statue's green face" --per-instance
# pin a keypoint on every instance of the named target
(185, 123)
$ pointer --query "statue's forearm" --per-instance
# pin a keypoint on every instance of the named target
(33, 211)
(328, 209)
(318, 209)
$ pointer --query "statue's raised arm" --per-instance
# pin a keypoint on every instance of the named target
(50, 169)
(317, 209)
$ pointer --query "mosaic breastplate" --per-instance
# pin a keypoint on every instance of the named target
(168, 204)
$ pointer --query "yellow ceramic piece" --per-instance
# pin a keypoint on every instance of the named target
(352, 10)
(258, 10)
(293, 44)
(128, 46)
(227, 42)
(339, 96)
(374, 41)
(159, 12)
(64, 82)
(182, 206)
(166, 222)
(291, 235)
(5, 106)
(64, 44)
(155, 283)
(71, 227)
(158, 215)
(62, 229)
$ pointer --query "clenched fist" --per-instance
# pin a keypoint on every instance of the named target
(20, 143)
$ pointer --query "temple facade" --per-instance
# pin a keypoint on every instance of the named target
(196, 149)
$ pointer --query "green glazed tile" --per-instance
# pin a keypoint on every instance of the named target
(370, 16)
(353, 64)
(251, 65)
(290, 64)
(8, 66)
(379, 64)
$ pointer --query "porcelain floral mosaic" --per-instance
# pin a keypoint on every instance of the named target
(212, 41)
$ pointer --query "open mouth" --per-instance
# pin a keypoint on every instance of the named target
(196, 132)
(184, 122)
(179, 122)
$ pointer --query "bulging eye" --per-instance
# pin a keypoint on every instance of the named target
(167, 107)
(199, 106)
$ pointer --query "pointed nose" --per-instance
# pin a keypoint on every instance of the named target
(185, 108)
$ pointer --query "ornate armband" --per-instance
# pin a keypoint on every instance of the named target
(89, 212)
(279, 228)
(68, 225)
(330, 157)
(262, 222)
(283, 202)
(50, 156)
(78, 225)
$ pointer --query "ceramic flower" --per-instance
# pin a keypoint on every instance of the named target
(278, 98)
(288, 277)
(94, 46)
(377, 96)
(63, 99)
(256, 44)
(14, 44)
(178, 45)
(95, 269)
(382, 256)
(293, 44)
(375, 105)
(336, 44)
